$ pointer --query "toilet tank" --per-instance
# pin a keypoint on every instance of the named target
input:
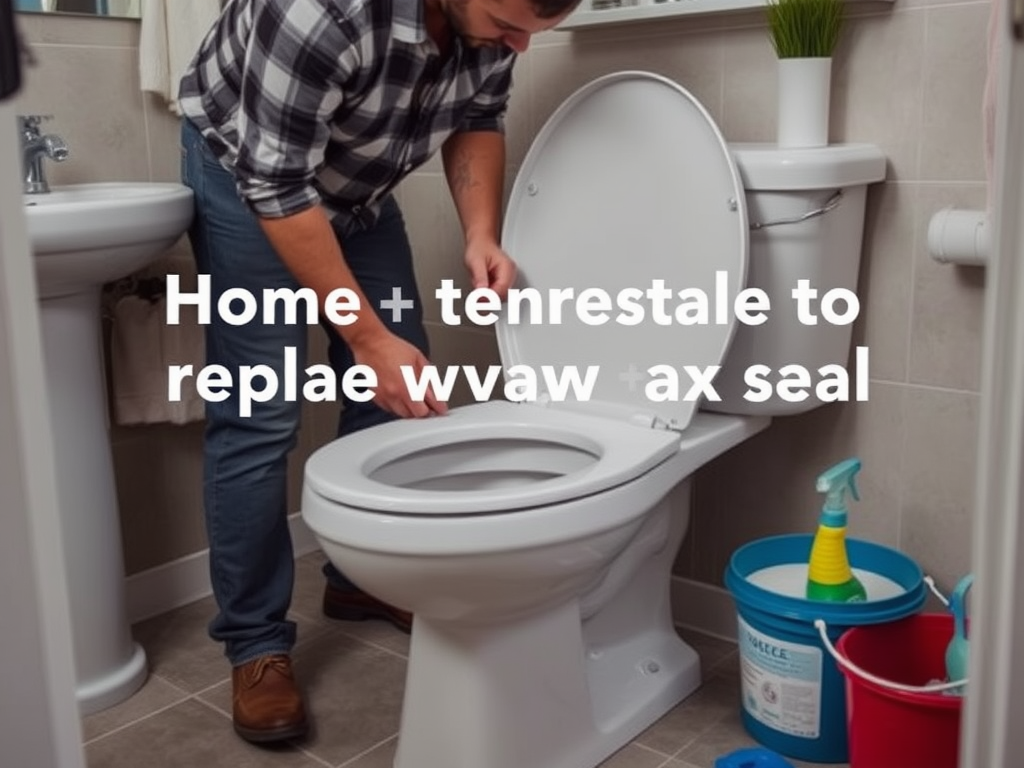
(806, 214)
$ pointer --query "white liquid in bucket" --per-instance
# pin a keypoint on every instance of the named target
(790, 580)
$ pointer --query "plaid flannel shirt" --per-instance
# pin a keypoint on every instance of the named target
(335, 101)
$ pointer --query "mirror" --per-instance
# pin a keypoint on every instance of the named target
(123, 8)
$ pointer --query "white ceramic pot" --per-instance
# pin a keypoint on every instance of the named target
(804, 89)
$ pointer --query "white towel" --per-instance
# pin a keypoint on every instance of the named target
(168, 40)
(143, 347)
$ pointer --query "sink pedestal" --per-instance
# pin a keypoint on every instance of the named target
(83, 236)
(110, 666)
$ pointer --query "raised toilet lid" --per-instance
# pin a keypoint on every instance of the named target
(629, 183)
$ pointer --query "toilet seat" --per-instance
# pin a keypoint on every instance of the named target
(558, 455)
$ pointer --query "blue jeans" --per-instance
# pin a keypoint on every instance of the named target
(245, 477)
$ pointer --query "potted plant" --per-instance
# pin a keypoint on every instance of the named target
(804, 33)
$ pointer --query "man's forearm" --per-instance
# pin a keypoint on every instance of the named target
(474, 164)
(306, 244)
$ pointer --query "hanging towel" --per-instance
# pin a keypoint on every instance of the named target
(168, 40)
(143, 347)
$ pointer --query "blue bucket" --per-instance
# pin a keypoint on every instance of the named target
(794, 698)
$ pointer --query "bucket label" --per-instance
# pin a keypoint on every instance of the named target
(781, 682)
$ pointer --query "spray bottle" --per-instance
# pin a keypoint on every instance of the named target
(828, 575)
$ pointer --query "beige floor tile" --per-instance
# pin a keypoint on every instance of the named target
(720, 739)
(353, 694)
(381, 756)
(155, 694)
(381, 634)
(686, 723)
(634, 756)
(188, 735)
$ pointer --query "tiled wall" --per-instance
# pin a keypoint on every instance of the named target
(907, 76)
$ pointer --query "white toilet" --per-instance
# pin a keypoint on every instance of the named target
(534, 540)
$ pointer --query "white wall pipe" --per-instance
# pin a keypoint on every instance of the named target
(959, 237)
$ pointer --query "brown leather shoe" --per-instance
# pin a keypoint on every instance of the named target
(355, 605)
(267, 705)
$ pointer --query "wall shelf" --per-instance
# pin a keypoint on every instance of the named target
(586, 16)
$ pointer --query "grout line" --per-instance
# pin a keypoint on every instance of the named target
(214, 707)
(653, 751)
(210, 687)
(677, 755)
(330, 628)
(367, 751)
(138, 720)
(319, 760)
(901, 466)
(375, 646)
(927, 387)
(211, 705)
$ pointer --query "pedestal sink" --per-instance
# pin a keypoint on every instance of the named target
(83, 236)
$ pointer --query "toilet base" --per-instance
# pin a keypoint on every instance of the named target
(533, 693)
(562, 688)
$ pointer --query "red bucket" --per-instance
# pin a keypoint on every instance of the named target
(893, 728)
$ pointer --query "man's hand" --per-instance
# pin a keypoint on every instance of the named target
(490, 267)
(385, 353)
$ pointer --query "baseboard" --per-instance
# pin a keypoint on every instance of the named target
(704, 608)
(187, 579)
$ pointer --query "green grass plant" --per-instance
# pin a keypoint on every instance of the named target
(804, 28)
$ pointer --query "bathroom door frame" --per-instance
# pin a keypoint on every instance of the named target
(990, 738)
(39, 726)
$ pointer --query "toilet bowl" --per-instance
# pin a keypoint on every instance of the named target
(533, 541)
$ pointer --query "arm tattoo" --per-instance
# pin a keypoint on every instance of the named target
(462, 173)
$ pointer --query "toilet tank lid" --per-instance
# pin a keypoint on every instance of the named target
(765, 167)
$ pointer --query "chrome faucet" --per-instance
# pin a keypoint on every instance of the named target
(34, 147)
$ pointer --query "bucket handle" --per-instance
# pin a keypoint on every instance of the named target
(849, 666)
(935, 590)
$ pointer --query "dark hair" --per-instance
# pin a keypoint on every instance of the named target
(548, 9)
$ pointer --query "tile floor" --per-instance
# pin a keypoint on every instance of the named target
(352, 674)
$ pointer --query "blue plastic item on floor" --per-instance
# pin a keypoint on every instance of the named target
(755, 757)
